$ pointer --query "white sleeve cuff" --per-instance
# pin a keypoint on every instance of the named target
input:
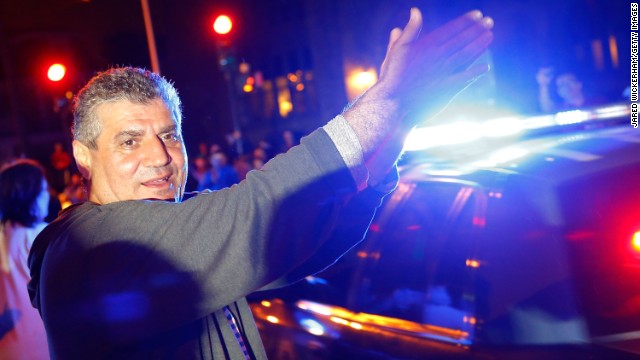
(349, 147)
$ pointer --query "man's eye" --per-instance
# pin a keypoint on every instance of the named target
(171, 137)
(129, 142)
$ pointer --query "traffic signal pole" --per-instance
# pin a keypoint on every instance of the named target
(227, 64)
(151, 40)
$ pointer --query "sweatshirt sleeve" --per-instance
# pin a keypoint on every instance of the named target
(353, 222)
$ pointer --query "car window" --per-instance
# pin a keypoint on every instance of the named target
(418, 256)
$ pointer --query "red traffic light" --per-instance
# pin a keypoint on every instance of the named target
(56, 72)
(222, 25)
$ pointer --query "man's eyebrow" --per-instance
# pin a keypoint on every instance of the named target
(168, 129)
(128, 134)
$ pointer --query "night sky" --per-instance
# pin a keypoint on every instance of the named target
(277, 37)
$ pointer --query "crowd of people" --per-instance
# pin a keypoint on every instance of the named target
(215, 167)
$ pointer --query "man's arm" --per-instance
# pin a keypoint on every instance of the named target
(544, 78)
(380, 120)
(419, 76)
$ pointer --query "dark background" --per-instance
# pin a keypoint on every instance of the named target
(278, 37)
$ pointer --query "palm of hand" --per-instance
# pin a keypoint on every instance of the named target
(428, 71)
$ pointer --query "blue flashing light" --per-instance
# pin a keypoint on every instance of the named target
(468, 131)
(572, 117)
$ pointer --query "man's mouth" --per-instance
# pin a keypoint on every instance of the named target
(158, 181)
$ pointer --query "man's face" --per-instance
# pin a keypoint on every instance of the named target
(140, 154)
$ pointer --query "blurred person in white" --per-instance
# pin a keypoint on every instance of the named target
(24, 202)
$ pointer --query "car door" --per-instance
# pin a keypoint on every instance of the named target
(416, 277)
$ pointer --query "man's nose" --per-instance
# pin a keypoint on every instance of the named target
(156, 154)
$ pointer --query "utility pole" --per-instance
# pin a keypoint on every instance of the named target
(12, 91)
(151, 41)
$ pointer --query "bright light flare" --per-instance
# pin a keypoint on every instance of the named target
(273, 319)
(222, 25)
(539, 122)
(56, 72)
(473, 263)
(313, 307)
(508, 154)
(359, 80)
(612, 111)
(572, 117)
(502, 127)
(365, 79)
(502, 156)
(339, 320)
(467, 131)
(635, 241)
(313, 327)
(449, 134)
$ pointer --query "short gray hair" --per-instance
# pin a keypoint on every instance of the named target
(133, 84)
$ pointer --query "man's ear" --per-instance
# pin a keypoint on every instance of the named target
(83, 158)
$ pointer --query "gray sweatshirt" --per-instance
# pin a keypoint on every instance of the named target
(150, 279)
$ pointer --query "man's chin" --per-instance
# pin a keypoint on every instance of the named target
(168, 195)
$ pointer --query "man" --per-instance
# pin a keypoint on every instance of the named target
(568, 89)
(127, 276)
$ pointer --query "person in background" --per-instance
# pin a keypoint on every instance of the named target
(259, 158)
(562, 92)
(220, 174)
(237, 144)
(241, 166)
(203, 150)
(61, 163)
(288, 140)
(198, 174)
(74, 192)
(24, 202)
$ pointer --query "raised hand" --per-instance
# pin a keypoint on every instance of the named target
(420, 74)
(544, 76)
(427, 71)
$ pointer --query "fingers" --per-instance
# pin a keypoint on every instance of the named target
(455, 84)
(436, 65)
(479, 32)
(399, 37)
(464, 57)
(444, 33)
(393, 37)
(465, 78)
(411, 31)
